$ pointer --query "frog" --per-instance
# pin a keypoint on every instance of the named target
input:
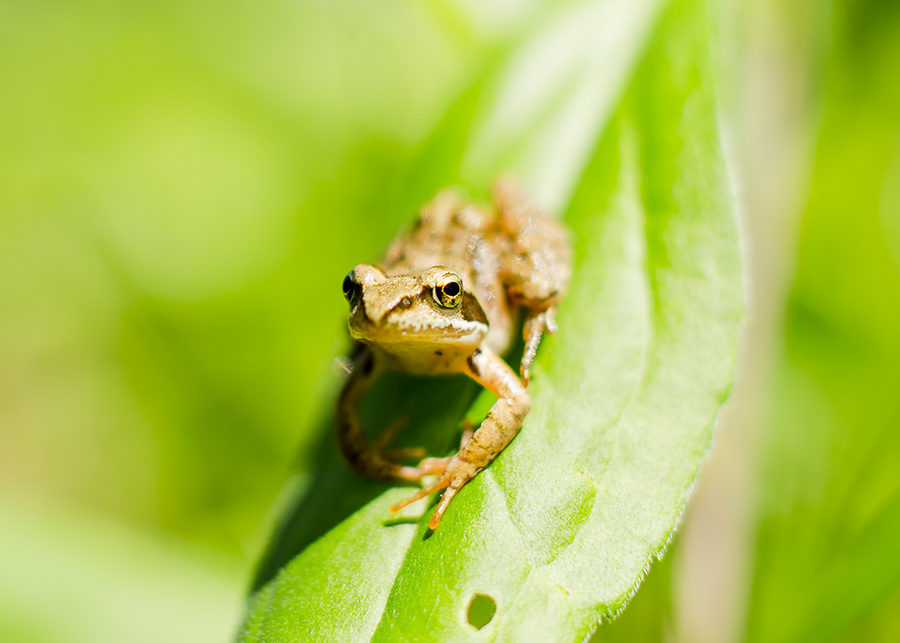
(445, 300)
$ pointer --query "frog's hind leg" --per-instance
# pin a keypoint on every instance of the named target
(370, 459)
(537, 266)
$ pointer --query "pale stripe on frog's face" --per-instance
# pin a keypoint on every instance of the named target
(425, 312)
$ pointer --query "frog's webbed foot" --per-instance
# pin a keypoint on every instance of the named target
(433, 466)
(453, 472)
(536, 324)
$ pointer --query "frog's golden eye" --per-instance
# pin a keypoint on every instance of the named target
(349, 286)
(448, 291)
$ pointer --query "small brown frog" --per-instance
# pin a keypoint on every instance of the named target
(442, 302)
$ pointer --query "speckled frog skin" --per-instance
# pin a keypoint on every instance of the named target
(444, 301)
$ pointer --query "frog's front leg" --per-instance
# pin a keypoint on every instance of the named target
(496, 431)
(369, 459)
(536, 324)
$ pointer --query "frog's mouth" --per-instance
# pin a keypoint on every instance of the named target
(458, 332)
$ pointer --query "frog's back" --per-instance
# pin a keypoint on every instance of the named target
(507, 256)
(467, 239)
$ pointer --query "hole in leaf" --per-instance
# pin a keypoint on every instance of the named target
(481, 610)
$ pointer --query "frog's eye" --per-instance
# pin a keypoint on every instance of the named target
(349, 286)
(448, 291)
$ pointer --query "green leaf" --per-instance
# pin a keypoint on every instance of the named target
(561, 528)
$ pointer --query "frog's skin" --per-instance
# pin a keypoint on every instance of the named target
(443, 302)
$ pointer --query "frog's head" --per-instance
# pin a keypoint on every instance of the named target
(404, 314)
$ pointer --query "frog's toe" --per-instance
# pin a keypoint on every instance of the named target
(454, 474)
(451, 482)
(446, 497)
(418, 495)
(409, 474)
(428, 466)
(431, 466)
(525, 374)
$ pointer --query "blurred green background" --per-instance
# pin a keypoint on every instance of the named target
(183, 186)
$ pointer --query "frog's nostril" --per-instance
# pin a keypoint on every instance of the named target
(481, 610)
